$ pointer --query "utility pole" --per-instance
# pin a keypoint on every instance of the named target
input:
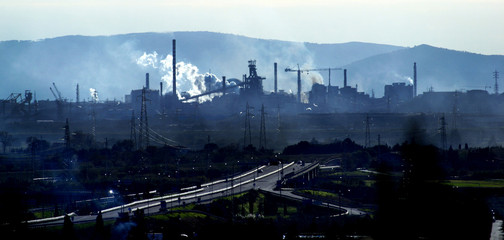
(67, 135)
(367, 142)
(143, 135)
(133, 129)
(262, 130)
(496, 77)
(247, 133)
(442, 131)
(455, 111)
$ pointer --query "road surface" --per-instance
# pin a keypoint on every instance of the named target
(263, 178)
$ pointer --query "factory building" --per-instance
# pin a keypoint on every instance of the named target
(152, 97)
(397, 94)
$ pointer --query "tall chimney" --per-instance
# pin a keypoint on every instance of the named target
(299, 85)
(161, 89)
(147, 81)
(276, 89)
(414, 80)
(344, 78)
(174, 66)
(77, 94)
(223, 85)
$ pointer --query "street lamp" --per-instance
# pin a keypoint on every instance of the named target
(238, 162)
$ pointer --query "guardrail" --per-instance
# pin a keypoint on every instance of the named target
(302, 198)
(304, 170)
(168, 200)
(174, 197)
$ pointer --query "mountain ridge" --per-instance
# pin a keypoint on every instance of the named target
(109, 63)
(438, 69)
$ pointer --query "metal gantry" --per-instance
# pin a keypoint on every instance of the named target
(367, 142)
(262, 130)
(299, 71)
(442, 131)
(247, 132)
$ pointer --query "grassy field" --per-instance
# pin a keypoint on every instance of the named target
(320, 193)
(497, 183)
(351, 174)
(182, 215)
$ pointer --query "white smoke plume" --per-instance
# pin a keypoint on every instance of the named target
(316, 78)
(148, 60)
(308, 78)
(410, 80)
(94, 94)
(189, 79)
(406, 79)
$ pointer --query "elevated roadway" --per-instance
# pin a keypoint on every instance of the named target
(263, 178)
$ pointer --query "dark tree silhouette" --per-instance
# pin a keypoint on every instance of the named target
(6, 139)
(68, 229)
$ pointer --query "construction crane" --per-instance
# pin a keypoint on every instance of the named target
(59, 100)
(54, 94)
(57, 91)
(299, 71)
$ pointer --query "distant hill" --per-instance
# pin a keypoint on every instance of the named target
(441, 69)
(108, 63)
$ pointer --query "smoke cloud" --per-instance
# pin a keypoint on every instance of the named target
(402, 78)
(94, 94)
(189, 79)
(316, 78)
(147, 60)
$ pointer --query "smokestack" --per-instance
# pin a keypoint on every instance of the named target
(414, 80)
(344, 78)
(299, 85)
(276, 78)
(77, 94)
(161, 89)
(174, 65)
(223, 85)
(147, 81)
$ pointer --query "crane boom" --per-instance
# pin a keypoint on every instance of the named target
(324, 69)
(54, 94)
(299, 71)
(59, 93)
(308, 70)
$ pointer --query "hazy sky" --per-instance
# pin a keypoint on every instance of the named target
(468, 25)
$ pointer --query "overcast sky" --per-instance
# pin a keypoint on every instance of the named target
(467, 25)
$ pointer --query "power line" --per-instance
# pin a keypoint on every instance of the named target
(367, 142)
(262, 130)
(442, 130)
(496, 77)
(133, 137)
(247, 132)
(144, 123)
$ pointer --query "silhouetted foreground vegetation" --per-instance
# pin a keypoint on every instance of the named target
(410, 191)
(250, 215)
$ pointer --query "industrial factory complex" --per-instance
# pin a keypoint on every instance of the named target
(326, 112)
